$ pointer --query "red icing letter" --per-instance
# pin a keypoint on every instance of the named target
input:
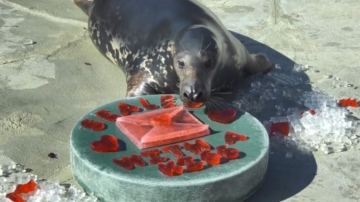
(104, 114)
(210, 158)
(127, 109)
(228, 153)
(232, 137)
(167, 101)
(170, 168)
(147, 105)
(195, 166)
(184, 160)
(174, 150)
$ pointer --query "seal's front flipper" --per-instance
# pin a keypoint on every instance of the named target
(84, 5)
(138, 85)
(259, 64)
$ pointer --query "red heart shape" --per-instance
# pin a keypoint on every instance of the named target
(162, 120)
(174, 150)
(124, 162)
(194, 104)
(210, 158)
(87, 123)
(127, 109)
(167, 101)
(107, 143)
(222, 116)
(147, 105)
(94, 125)
(232, 137)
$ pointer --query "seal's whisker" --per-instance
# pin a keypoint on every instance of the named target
(182, 45)
(202, 39)
(221, 93)
(206, 47)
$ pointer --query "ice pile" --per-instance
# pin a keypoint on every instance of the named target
(12, 175)
(316, 121)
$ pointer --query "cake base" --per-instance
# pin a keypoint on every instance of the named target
(232, 181)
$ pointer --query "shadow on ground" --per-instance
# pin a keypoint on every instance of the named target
(285, 176)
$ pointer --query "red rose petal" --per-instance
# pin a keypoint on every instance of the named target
(162, 120)
(125, 162)
(174, 150)
(184, 160)
(194, 104)
(232, 137)
(127, 109)
(137, 160)
(14, 197)
(167, 101)
(281, 127)
(107, 143)
(222, 116)
(195, 166)
(26, 188)
(147, 105)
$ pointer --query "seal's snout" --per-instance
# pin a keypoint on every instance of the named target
(193, 93)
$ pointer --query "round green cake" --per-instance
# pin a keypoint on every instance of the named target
(232, 181)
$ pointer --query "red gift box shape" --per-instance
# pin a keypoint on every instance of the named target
(144, 132)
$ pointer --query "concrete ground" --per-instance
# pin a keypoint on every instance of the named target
(45, 87)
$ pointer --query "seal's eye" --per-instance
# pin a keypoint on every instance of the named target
(180, 64)
(208, 63)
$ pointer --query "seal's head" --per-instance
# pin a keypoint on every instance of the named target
(196, 60)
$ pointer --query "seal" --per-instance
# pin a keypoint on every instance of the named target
(168, 47)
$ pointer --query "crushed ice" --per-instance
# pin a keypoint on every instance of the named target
(327, 129)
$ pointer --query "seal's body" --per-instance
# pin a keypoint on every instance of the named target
(172, 46)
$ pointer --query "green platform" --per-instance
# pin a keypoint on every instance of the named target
(233, 181)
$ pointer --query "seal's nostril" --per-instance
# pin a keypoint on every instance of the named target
(186, 95)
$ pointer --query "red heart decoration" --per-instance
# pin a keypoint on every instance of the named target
(87, 123)
(162, 120)
(221, 150)
(127, 109)
(107, 143)
(232, 137)
(147, 105)
(210, 158)
(124, 162)
(167, 101)
(174, 150)
(222, 116)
